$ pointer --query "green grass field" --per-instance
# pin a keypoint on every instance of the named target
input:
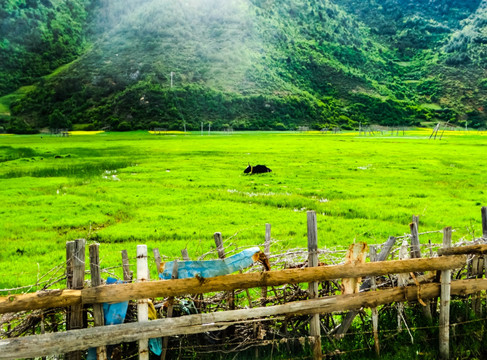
(175, 191)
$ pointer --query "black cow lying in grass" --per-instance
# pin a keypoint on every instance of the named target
(258, 169)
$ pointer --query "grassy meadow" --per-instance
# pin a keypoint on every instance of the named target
(175, 191)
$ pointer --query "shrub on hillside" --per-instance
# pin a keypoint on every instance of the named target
(124, 126)
(280, 126)
(19, 126)
(84, 127)
(457, 59)
(57, 120)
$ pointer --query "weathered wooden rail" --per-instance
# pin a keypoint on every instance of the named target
(41, 345)
(177, 287)
(76, 297)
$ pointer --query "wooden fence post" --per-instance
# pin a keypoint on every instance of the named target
(142, 304)
(484, 221)
(267, 244)
(401, 282)
(314, 325)
(219, 245)
(184, 254)
(127, 273)
(415, 248)
(485, 275)
(128, 276)
(69, 276)
(342, 329)
(157, 259)
(445, 301)
(415, 220)
(78, 265)
(416, 254)
(476, 271)
(170, 309)
(375, 313)
(98, 316)
(267, 251)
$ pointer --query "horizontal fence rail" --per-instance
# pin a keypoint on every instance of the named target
(142, 290)
(470, 249)
(57, 343)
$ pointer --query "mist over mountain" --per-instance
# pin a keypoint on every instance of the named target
(244, 64)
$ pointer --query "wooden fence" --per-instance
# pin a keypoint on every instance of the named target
(413, 287)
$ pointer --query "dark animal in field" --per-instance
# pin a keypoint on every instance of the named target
(257, 169)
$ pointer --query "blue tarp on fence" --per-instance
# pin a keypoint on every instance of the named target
(210, 268)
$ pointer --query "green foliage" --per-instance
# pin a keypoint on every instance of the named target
(468, 43)
(251, 65)
(19, 126)
(38, 37)
(124, 126)
(57, 120)
(419, 340)
(83, 127)
(430, 88)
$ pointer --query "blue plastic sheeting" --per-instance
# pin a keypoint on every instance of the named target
(155, 345)
(91, 354)
(115, 313)
(210, 268)
(187, 307)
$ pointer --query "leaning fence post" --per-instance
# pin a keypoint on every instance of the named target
(445, 302)
(142, 304)
(221, 255)
(98, 316)
(314, 325)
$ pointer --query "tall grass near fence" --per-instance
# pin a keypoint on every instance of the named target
(173, 192)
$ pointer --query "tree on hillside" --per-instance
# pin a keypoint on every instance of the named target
(57, 120)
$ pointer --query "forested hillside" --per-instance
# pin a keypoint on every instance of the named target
(245, 64)
(37, 36)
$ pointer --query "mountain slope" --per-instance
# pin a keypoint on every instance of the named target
(37, 37)
(264, 64)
